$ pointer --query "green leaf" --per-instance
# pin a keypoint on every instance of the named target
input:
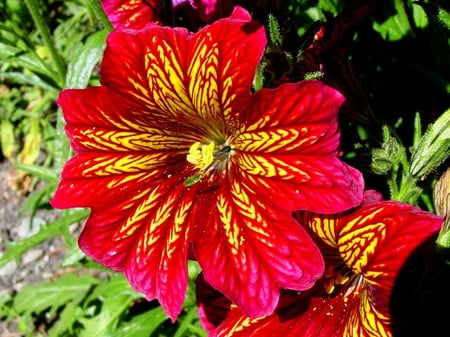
(53, 295)
(52, 229)
(74, 256)
(29, 79)
(7, 139)
(67, 318)
(44, 173)
(433, 148)
(436, 12)
(107, 319)
(116, 285)
(116, 296)
(444, 17)
(141, 325)
(396, 26)
(274, 31)
(85, 58)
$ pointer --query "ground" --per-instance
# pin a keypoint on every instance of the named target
(37, 264)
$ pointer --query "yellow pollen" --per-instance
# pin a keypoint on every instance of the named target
(200, 155)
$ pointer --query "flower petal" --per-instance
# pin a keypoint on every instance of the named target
(300, 315)
(180, 76)
(134, 14)
(289, 145)
(254, 251)
(376, 241)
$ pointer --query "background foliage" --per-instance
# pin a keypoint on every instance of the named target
(400, 66)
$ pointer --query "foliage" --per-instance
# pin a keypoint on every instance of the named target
(400, 58)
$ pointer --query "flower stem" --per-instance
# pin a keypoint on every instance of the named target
(96, 8)
(44, 31)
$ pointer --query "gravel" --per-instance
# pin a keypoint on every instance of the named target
(38, 264)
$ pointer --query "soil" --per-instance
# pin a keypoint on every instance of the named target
(38, 264)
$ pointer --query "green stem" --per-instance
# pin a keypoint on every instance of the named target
(43, 29)
(96, 8)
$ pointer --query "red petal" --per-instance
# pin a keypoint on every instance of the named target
(307, 315)
(146, 236)
(180, 76)
(134, 14)
(377, 239)
(290, 146)
(374, 241)
(252, 251)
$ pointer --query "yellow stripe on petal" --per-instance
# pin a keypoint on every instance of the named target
(132, 163)
(229, 225)
(135, 219)
(179, 230)
(107, 140)
(324, 226)
(269, 167)
(370, 322)
(167, 82)
(357, 246)
(252, 218)
(272, 140)
(211, 95)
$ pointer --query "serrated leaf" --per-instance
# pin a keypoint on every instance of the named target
(116, 285)
(107, 319)
(433, 147)
(67, 318)
(30, 79)
(84, 60)
(52, 229)
(74, 256)
(7, 50)
(141, 325)
(52, 295)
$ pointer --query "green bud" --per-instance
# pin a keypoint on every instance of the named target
(274, 31)
(388, 155)
(433, 148)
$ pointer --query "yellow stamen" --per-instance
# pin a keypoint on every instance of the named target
(201, 155)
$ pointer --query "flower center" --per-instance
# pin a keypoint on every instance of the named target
(201, 155)
(336, 276)
(205, 157)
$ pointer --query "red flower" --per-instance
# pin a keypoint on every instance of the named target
(364, 252)
(174, 152)
(137, 14)
(132, 13)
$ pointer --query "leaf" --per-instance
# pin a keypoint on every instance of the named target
(141, 325)
(274, 31)
(396, 26)
(53, 295)
(84, 60)
(433, 147)
(7, 139)
(55, 228)
(116, 295)
(66, 320)
(44, 173)
(30, 79)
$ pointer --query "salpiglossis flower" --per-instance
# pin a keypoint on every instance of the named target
(134, 14)
(137, 14)
(175, 155)
(364, 252)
